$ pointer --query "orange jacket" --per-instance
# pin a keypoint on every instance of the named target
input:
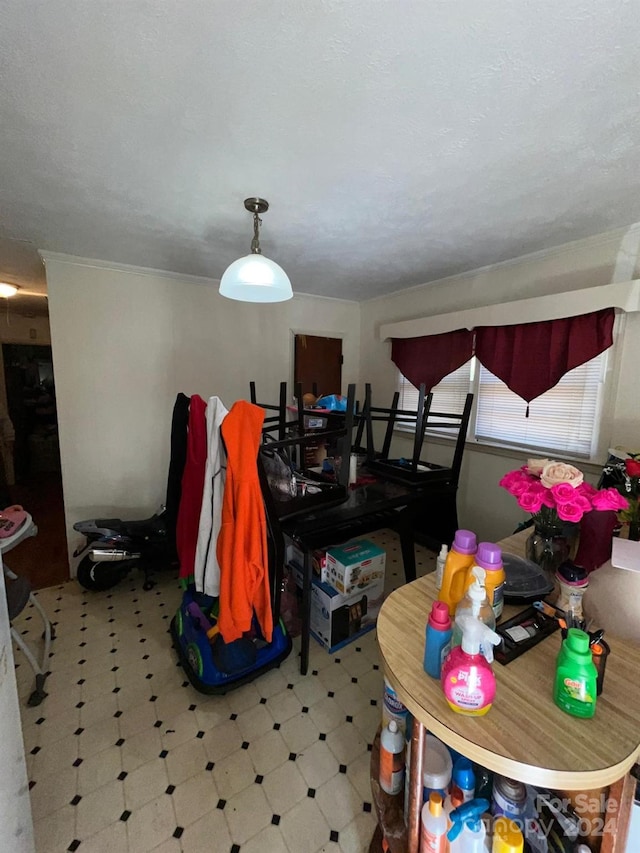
(242, 542)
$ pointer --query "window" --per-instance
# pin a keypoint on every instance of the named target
(564, 420)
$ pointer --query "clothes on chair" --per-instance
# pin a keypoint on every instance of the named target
(179, 423)
(242, 543)
(207, 568)
(192, 487)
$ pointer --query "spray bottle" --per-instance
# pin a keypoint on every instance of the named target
(475, 603)
(441, 559)
(467, 678)
(468, 833)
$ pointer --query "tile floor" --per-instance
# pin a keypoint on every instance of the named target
(125, 756)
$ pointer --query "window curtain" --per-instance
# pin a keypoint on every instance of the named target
(430, 358)
(531, 358)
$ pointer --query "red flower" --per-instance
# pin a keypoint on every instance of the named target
(632, 467)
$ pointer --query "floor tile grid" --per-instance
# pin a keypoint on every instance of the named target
(124, 748)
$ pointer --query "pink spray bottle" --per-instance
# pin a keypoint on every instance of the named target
(467, 678)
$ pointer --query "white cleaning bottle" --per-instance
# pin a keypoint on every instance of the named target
(433, 826)
(392, 759)
(468, 833)
(441, 559)
(475, 603)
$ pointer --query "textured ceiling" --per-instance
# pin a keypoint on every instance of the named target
(397, 142)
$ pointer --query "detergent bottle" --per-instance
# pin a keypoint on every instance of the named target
(438, 639)
(489, 558)
(475, 603)
(467, 678)
(575, 686)
(459, 559)
(468, 833)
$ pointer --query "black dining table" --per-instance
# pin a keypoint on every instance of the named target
(371, 506)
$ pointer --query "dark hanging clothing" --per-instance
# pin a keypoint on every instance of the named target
(179, 421)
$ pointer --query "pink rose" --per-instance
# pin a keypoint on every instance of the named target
(570, 511)
(515, 482)
(587, 490)
(548, 499)
(609, 499)
(563, 492)
(531, 500)
(559, 472)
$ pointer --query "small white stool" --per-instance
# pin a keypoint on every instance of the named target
(19, 594)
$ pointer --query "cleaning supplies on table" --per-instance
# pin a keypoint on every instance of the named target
(459, 559)
(467, 678)
(441, 559)
(474, 603)
(575, 687)
(433, 826)
(392, 759)
(438, 638)
(468, 833)
(489, 558)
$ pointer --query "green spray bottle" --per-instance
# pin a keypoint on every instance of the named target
(574, 690)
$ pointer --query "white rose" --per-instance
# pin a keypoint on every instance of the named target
(559, 472)
(535, 466)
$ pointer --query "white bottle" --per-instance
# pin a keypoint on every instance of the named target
(475, 603)
(392, 759)
(441, 559)
(433, 826)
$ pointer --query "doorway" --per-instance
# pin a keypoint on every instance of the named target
(318, 364)
(35, 481)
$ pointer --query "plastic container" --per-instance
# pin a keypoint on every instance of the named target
(468, 833)
(463, 782)
(467, 678)
(441, 559)
(433, 826)
(507, 837)
(459, 559)
(436, 768)
(575, 687)
(393, 709)
(474, 603)
(509, 799)
(392, 759)
(489, 558)
(573, 581)
(438, 639)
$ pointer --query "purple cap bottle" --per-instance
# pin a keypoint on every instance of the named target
(489, 556)
(465, 542)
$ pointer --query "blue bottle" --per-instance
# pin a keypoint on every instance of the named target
(463, 782)
(438, 638)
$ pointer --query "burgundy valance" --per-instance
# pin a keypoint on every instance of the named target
(430, 358)
(530, 358)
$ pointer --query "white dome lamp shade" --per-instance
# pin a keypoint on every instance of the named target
(7, 289)
(255, 278)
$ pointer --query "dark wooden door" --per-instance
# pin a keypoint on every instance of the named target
(318, 364)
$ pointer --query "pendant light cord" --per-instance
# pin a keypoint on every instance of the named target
(255, 243)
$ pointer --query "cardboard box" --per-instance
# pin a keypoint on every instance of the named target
(355, 566)
(294, 558)
(338, 619)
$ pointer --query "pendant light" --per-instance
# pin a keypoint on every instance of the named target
(255, 278)
(7, 289)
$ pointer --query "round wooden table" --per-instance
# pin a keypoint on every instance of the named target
(525, 735)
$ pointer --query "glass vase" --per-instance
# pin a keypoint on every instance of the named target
(548, 547)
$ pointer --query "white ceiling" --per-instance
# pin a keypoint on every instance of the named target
(397, 142)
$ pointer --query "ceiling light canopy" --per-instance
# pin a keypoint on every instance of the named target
(7, 289)
(255, 278)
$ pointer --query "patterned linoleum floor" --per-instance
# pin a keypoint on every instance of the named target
(125, 756)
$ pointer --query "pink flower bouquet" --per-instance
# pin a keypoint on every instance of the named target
(555, 492)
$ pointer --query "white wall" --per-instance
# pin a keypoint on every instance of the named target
(15, 808)
(125, 342)
(483, 506)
